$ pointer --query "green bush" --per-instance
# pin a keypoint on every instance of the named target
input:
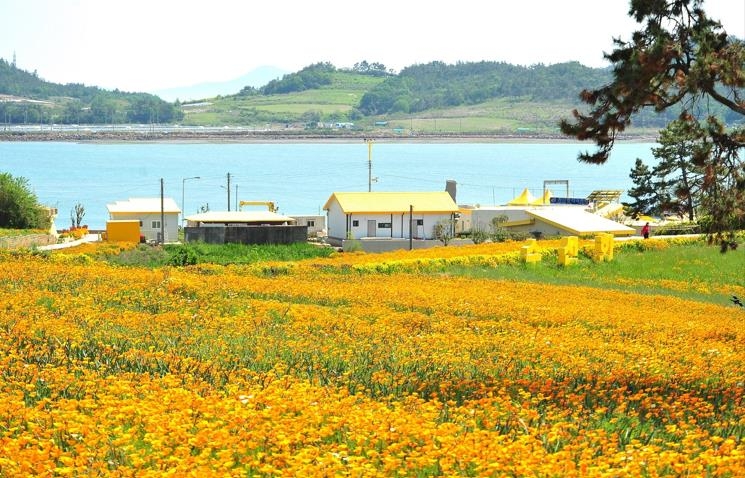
(479, 236)
(182, 255)
(19, 207)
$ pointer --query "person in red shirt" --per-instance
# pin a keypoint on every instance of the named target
(645, 231)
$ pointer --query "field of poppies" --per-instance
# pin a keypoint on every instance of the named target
(396, 364)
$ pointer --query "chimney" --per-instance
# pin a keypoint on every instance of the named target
(450, 187)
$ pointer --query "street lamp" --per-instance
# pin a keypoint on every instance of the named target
(183, 207)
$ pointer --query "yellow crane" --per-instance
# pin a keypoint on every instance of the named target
(269, 205)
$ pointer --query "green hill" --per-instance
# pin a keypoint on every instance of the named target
(484, 97)
(26, 98)
(434, 98)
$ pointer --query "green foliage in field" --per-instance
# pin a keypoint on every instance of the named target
(20, 232)
(691, 270)
(198, 253)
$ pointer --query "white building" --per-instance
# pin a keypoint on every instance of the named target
(237, 218)
(148, 212)
(404, 215)
(316, 224)
(548, 221)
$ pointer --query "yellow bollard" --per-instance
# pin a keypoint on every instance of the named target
(568, 250)
(603, 247)
(528, 252)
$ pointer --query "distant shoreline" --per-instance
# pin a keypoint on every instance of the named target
(286, 137)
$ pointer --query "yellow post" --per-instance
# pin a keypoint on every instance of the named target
(603, 247)
(611, 243)
(528, 252)
(568, 251)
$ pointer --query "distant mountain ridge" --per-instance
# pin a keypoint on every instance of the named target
(256, 78)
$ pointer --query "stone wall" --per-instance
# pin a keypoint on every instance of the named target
(27, 241)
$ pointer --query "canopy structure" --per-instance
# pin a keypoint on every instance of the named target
(605, 195)
(524, 199)
(545, 200)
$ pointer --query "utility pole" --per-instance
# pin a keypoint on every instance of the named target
(228, 191)
(369, 142)
(411, 227)
(162, 215)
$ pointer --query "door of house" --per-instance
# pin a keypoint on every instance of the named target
(371, 227)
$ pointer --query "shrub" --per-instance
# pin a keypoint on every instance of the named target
(182, 255)
(19, 207)
(479, 236)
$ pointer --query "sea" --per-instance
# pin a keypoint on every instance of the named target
(300, 177)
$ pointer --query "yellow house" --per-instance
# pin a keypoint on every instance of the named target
(404, 215)
(148, 212)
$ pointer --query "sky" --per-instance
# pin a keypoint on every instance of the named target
(150, 45)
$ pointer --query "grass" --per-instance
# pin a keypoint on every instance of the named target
(250, 253)
(339, 98)
(20, 232)
(694, 270)
(198, 253)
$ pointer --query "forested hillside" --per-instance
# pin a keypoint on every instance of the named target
(30, 99)
(478, 97)
(438, 85)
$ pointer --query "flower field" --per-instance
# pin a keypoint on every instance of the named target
(360, 365)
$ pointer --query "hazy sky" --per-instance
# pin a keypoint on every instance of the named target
(147, 45)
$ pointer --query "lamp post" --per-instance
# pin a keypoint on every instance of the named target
(183, 206)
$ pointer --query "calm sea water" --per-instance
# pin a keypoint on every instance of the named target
(300, 177)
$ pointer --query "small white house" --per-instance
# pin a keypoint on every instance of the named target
(316, 224)
(148, 212)
(358, 215)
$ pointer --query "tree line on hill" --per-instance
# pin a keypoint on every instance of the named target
(437, 85)
(416, 89)
(75, 103)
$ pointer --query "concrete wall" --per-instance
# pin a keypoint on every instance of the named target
(247, 234)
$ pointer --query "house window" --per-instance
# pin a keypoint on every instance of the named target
(384, 225)
(420, 222)
(155, 225)
(311, 223)
(355, 223)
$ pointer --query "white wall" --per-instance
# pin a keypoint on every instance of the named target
(337, 224)
(481, 218)
(337, 221)
(318, 227)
